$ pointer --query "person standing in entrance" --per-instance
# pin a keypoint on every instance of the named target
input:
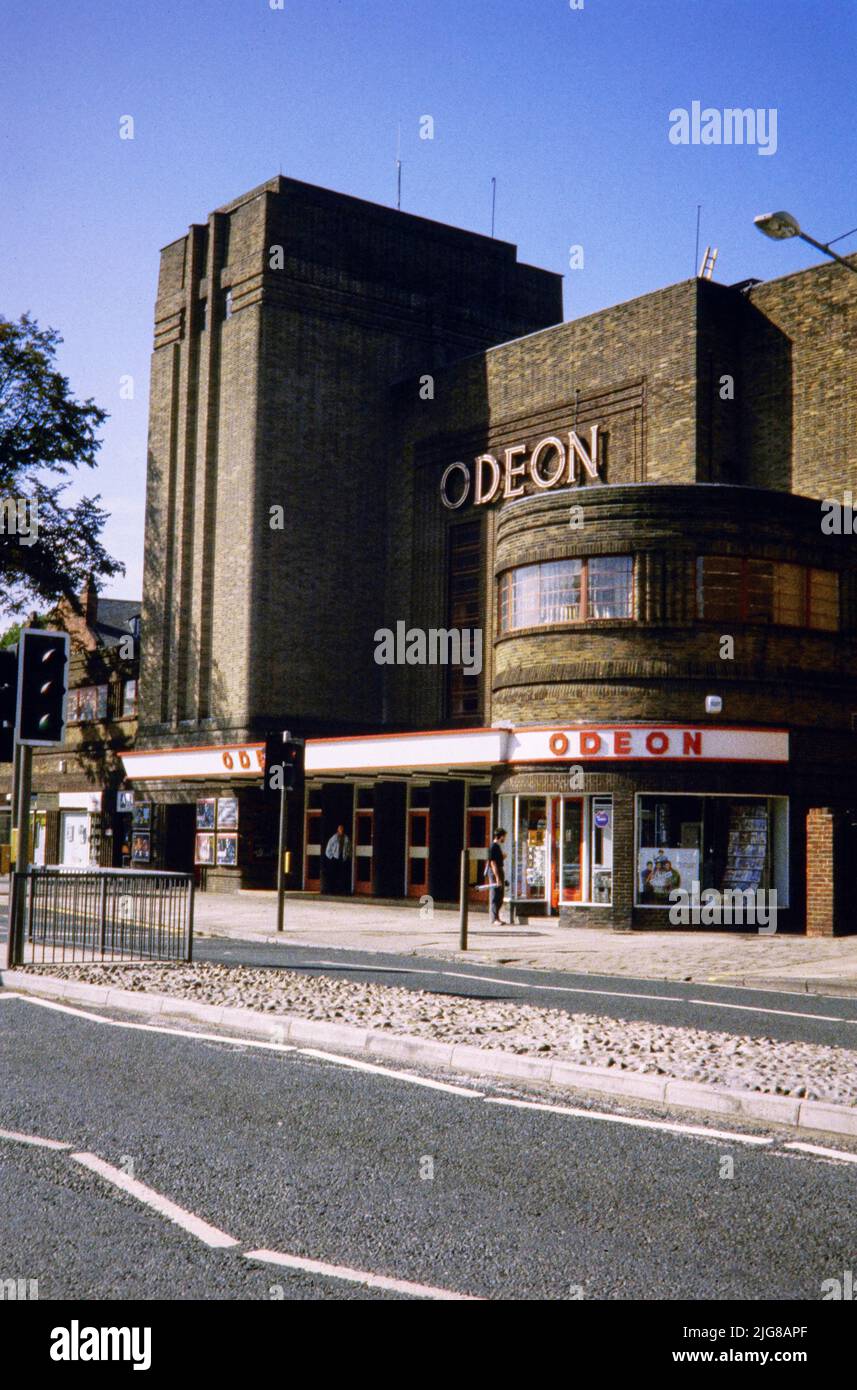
(338, 851)
(495, 876)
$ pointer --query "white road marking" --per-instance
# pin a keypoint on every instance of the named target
(389, 1071)
(210, 1235)
(157, 1028)
(785, 1013)
(10, 994)
(698, 1131)
(359, 1276)
(370, 969)
(565, 989)
(819, 1152)
(612, 993)
(416, 1080)
(35, 1139)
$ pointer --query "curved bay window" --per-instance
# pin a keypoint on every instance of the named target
(738, 589)
(566, 591)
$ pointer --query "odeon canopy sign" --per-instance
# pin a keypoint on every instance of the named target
(481, 748)
(555, 461)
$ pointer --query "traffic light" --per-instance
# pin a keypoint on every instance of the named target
(283, 762)
(42, 664)
(8, 702)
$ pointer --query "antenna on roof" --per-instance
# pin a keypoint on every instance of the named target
(399, 168)
(493, 202)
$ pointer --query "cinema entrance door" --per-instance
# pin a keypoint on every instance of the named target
(560, 851)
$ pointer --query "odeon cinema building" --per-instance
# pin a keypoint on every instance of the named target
(585, 580)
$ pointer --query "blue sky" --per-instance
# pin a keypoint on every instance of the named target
(568, 109)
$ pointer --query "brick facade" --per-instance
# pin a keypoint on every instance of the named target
(330, 358)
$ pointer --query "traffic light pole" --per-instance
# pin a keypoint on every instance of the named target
(23, 767)
(25, 783)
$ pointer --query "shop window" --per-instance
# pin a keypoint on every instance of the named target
(732, 588)
(566, 591)
(86, 704)
(129, 698)
(715, 842)
(366, 798)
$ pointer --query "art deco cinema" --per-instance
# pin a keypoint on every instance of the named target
(361, 419)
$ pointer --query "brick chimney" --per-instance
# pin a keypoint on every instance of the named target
(89, 601)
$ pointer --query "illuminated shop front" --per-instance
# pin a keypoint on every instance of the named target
(603, 822)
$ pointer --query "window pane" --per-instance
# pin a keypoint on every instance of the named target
(560, 591)
(525, 597)
(759, 591)
(790, 595)
(824, 599)
(609, 586)
(719, 587)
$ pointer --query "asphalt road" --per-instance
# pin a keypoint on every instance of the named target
(295, 1153)
(730, 1009)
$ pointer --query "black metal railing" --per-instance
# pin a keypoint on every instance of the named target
(65, 915)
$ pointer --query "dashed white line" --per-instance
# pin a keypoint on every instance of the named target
(359, 1276)
(35, 1139)
(194, 1225)
(784, 1013)
(660, 998)
(698, 1131)
(604, 993)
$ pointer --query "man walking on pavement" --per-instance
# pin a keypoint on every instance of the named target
(495, 876)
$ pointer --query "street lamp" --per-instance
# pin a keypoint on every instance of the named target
(780, 226)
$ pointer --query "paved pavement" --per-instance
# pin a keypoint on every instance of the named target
(460, 1190)
(791, 963)
(827, 966)
(767, 1013)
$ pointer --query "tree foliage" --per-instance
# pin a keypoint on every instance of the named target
(45, 436)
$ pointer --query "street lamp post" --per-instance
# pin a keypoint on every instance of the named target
(780, 226)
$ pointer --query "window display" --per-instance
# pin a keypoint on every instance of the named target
(719, 842)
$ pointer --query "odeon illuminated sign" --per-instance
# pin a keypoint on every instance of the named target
(555, 461)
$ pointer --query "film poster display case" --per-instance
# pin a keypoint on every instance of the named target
(216, 832)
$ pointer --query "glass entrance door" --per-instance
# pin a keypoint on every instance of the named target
(572, 850)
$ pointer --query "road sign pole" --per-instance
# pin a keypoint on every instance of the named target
(463, 904)
(281, 860)
(281, 841)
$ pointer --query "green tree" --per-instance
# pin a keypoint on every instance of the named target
(47, 548)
